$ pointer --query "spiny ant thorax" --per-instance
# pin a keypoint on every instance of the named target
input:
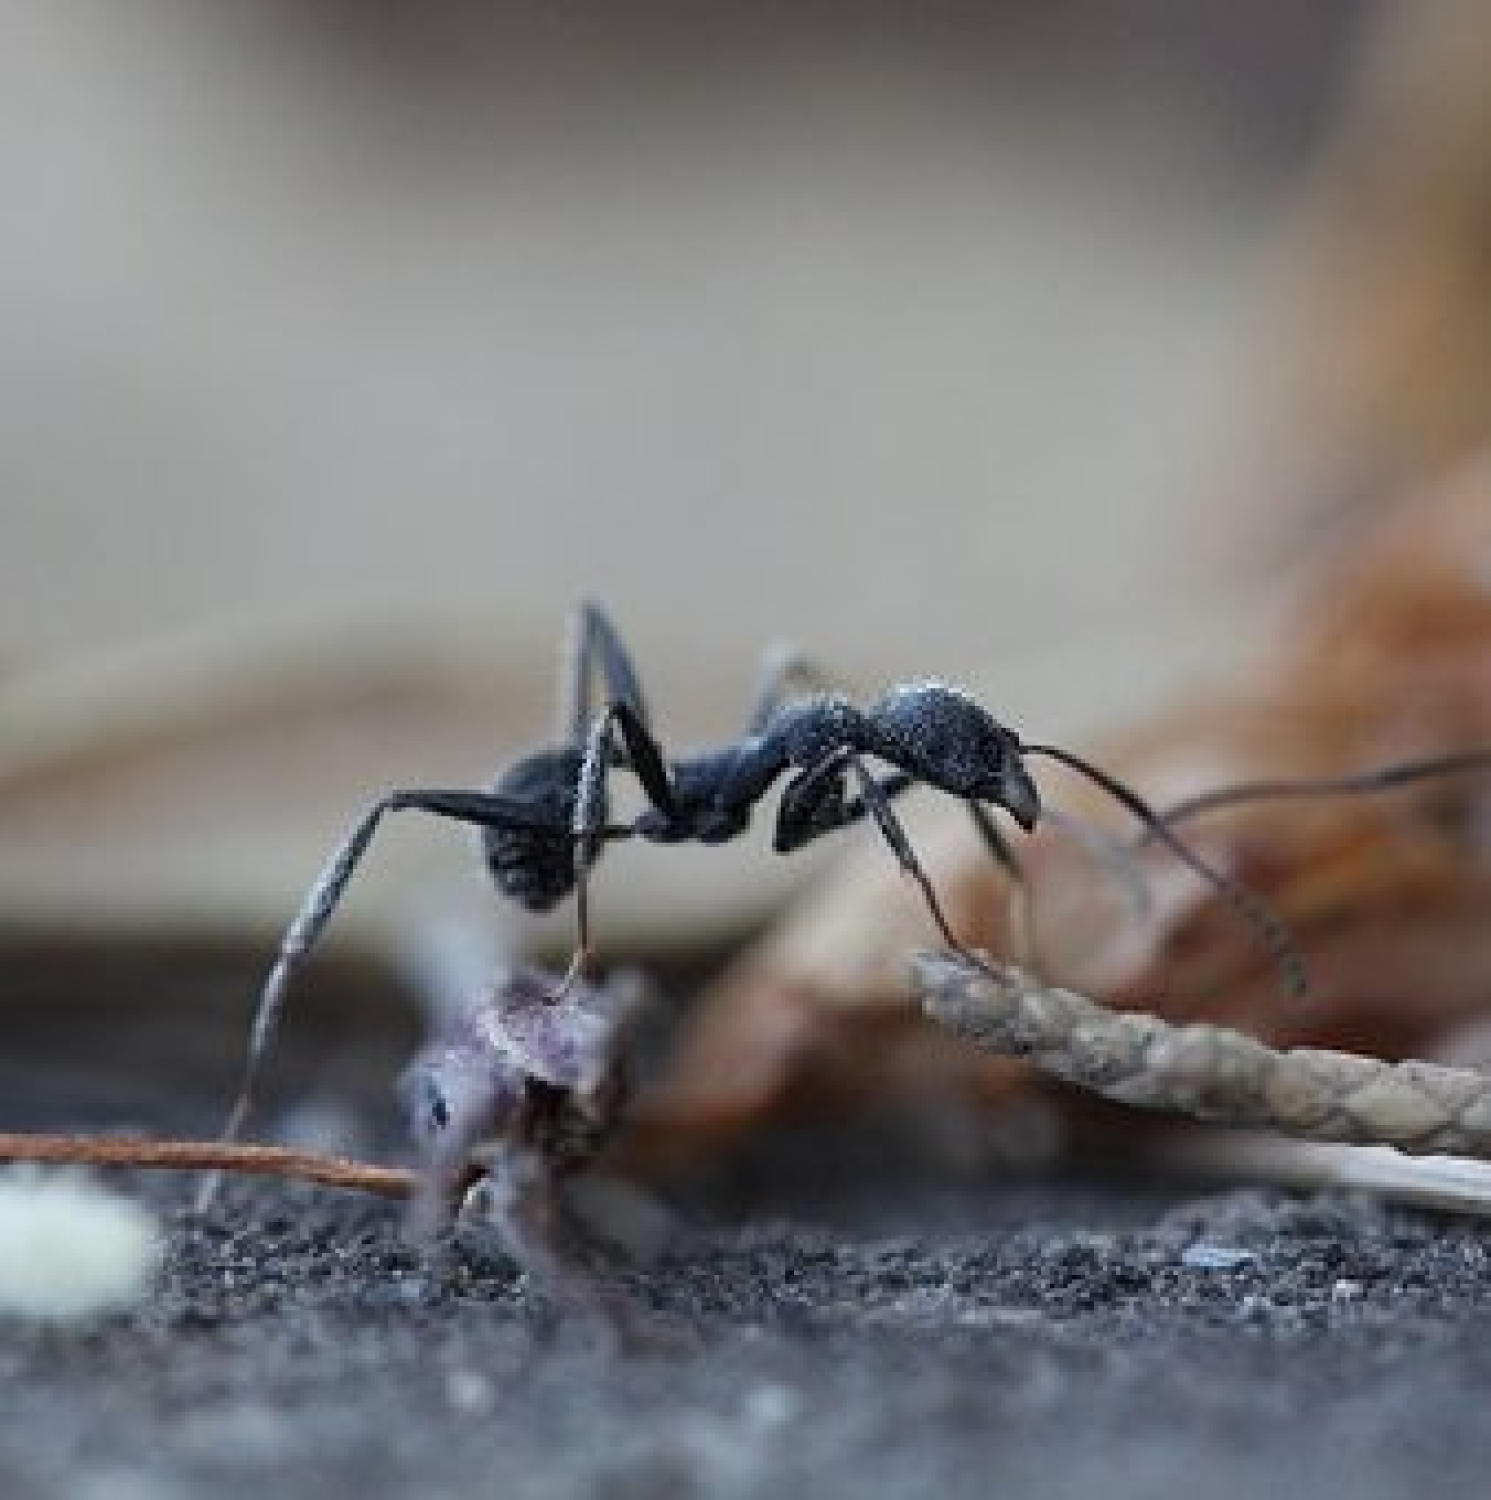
(807, 732)
(706, 808)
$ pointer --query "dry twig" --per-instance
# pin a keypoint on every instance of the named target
(272, 1161)
(1209, 1072)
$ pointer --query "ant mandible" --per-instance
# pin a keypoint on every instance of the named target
(545, 820)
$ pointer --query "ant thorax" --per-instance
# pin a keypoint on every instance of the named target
(807, 731)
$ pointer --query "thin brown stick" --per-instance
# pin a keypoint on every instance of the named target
(216, 1156)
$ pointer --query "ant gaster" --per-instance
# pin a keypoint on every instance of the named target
(545, 820)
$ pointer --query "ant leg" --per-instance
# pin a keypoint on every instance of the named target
(1021, 910)
(1117, 855)
(878, 803)
(814, 803)
(995, 842)
(782, 668)
(1251, 908)
(590, 641)
(1114, 853)
(645, 757)
(486, 809)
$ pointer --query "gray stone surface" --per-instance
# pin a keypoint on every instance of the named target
(888, 1338)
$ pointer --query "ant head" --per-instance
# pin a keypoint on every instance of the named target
(945, 739)
(1018, 794)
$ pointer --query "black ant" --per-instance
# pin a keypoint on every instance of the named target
(545, 820)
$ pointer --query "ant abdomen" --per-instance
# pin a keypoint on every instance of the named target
(532, 868)
(534, 864)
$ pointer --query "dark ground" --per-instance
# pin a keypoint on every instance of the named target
(1046, 1341)
(816, 1329)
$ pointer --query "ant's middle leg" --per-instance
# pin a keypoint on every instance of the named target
(816, 802)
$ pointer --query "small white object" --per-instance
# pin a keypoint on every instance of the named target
(469, 1392)
(70, 1249)
(1206, 1256)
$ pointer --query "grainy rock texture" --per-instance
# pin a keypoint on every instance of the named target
(831, 1318)
(879, 1340)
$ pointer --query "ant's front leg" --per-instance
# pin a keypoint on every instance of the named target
(816, 802)
(1021, 916)
(894, 834)
(1022, 936)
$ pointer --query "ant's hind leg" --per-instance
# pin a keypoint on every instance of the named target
(485, 809)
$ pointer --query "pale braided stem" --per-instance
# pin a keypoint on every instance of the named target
(1208, 1072)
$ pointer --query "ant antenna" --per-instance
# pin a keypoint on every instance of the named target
(1384, 779)
(1114, 853)
(1252, 909)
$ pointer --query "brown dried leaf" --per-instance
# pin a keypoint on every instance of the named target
(1391, 330)
(1386, 896)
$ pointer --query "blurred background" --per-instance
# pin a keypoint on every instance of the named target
(345, 346)
(923, 335)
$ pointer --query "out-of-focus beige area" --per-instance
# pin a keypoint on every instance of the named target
(914, 336)
(342, 348)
